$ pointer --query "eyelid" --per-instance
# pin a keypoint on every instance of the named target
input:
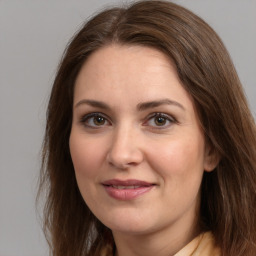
(168, 117)
(86, 117)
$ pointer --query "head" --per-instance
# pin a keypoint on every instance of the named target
(207, 75)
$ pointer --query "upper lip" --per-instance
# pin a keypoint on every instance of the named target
(130, 182)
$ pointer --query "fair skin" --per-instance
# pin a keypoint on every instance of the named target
(134, 123)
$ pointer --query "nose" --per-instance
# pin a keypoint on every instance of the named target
(125, 151)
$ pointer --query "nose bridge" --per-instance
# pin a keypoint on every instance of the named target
(124, 150)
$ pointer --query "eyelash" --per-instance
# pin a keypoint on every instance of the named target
(85, 120)
(165, 118)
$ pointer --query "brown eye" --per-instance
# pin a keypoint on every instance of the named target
(99, 120)
(160, 120)
(95, 120)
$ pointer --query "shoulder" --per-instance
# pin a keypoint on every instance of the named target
(202, 245)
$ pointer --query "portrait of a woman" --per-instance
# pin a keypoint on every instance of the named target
(150, 146)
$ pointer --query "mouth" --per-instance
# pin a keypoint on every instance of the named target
(127, 189)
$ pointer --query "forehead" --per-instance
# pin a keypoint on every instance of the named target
(113, 57)
(129, 72)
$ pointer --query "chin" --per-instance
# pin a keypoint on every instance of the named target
(130, 229)
(129, 223)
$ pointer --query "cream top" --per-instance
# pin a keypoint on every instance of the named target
(202, 245)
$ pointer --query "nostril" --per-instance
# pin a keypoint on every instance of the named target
(119, 166)
(124, 158)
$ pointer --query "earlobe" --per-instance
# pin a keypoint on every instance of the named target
(211, 160)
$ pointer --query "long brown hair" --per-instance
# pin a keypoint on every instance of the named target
(228, 194)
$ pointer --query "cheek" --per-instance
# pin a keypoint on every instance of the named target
(179, 158)
(85, 155)
(87, 159)
(180, 166)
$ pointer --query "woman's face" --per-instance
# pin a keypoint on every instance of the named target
(137, 148)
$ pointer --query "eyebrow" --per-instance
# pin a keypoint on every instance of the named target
(140, 107)
(157, 103)
(93, 103)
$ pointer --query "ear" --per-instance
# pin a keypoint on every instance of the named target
(211, 158)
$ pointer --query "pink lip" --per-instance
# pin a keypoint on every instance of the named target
(127, 193)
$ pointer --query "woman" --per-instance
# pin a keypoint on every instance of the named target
(150, 148)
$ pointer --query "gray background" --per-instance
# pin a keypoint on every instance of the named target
(33, 35)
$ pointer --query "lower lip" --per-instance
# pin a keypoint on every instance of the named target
(127, 194)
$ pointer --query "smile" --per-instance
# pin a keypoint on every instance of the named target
(125, 187)
(126, 190)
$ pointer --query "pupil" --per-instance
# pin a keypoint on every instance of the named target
(160, 121)
(99, 120)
